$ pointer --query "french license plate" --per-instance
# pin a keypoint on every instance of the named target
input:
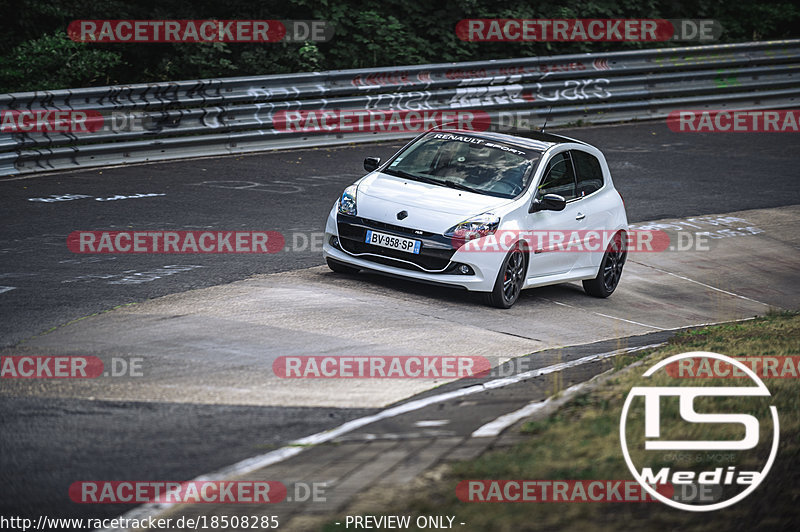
(393, 242)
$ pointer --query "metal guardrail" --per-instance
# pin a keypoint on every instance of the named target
(235, 115)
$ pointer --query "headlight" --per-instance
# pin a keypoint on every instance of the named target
(347, 203)
(475, 227)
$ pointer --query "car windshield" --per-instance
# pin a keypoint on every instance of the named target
(466, 163)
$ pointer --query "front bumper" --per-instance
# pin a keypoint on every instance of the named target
(436, 262)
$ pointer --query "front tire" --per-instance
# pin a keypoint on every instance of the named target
(338, 267)
(610, 271)
(510, 280)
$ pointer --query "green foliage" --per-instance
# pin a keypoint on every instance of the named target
(200, 60)
(34, 53)
(382, 40)
(54, 61)
(310, 57)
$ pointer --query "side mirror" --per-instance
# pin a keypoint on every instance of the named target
(371, 163)
(550, 202)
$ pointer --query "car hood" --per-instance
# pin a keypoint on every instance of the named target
(430, 208)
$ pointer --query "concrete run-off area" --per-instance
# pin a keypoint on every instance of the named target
(217, 345)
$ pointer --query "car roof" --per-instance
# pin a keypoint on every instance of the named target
(536, 140)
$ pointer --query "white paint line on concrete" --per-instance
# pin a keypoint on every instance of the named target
(630, 321)
(296, 447)
(7, 288)
(519, 377)
(683, 277)
(432, 423)
(606, 315)
(494, 428)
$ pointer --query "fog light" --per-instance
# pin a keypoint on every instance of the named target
(464, 269)
(334, 241)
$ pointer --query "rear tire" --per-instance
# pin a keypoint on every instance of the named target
(338, 267)
(510, 280)
(610, 271)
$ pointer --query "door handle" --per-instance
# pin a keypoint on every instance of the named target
(580, 216)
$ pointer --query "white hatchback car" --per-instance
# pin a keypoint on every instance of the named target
(488, 212)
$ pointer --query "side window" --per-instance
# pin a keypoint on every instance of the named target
(559, 177)
(590, 175)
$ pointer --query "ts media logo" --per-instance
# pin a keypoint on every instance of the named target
(703, 465)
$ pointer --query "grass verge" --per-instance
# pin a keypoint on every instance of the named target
(581, 441)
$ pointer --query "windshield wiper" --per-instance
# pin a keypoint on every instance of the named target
(414, 177)
(459, 186)
(424, 179)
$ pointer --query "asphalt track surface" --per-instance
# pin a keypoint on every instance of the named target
(660, 173)
(48, 443)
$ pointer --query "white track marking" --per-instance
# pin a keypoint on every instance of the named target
(702, 284)
(607, 315)
(432, 423)
(493, 428)
(7, 288)
(296, 447)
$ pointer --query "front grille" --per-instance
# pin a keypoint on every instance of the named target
(413, 233)
(435, 252)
